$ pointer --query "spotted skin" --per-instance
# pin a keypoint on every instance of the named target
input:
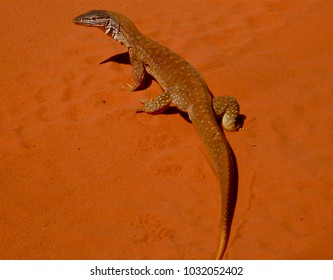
(183, 86)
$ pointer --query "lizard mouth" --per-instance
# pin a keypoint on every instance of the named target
(92, 18)
(87, 21)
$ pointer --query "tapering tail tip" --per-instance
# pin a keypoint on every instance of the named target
(222, 246)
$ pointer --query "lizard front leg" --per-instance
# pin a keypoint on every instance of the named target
(138, 69)
(227, 107)
(157, 104)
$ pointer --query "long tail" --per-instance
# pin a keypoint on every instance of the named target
(223, 162)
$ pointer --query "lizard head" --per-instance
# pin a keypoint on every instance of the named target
(109, 22)
(92, 18)
(98, 18)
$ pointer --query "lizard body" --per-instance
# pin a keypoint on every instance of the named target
(186, 89)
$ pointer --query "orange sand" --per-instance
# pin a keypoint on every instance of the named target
(82, 176)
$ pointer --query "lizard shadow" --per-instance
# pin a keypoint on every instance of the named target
(124, 58)
(234, 191)
(121, 58)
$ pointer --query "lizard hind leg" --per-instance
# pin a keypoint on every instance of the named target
(227, 107)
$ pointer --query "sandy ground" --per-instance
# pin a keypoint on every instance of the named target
(82, 176)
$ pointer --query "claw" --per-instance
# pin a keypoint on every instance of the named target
(143, 101)
(131, 88)
(138, 110)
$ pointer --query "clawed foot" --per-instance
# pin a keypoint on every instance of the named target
(142, 109)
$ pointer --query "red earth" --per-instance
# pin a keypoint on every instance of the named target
(82, 176)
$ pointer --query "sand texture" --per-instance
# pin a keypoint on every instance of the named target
(82, 176)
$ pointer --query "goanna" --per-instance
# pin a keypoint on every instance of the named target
(183, 86)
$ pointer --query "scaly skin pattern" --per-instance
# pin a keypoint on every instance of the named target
(186, 89)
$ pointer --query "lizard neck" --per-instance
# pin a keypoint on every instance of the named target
(121, 29)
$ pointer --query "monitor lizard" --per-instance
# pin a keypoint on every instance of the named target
(183, 86)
